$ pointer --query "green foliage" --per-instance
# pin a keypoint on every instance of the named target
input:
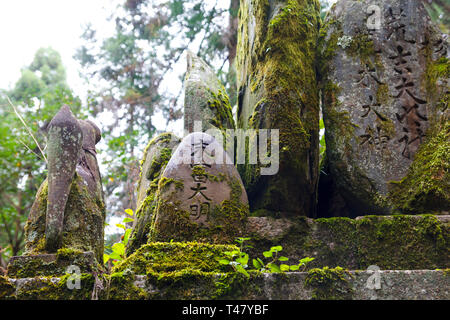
(438, 10)
(272, 266)
(238, 260)
(117, 250)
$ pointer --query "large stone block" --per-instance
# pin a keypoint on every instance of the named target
(385, 70)
(276, 61)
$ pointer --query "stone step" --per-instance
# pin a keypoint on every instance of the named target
(323, 284)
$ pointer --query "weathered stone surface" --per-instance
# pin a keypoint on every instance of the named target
(385, 103)
(51, 264)
(206, 99)
(156, 156)
(276, 61)
(390, 242)
(78, 222)
(354, 285)
(176, 256)
(65, 139)
(200, 195)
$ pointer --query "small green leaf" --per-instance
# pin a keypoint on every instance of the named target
(119, 225)
(257, 264)
(268, 254)
(294, 267)
(105, 258)
(129, 212)
(118, 248)
(274, 268)
(276, 249)
(126, 220)
(240, 269)
(115, 256)
(283, 258)
(126, 236)
(243, 259)
(305, 260)
(284, 267)
(224, 261)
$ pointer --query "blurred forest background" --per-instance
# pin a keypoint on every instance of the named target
(130, 78)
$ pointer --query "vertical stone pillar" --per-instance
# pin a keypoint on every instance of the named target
(385, 99)
(276, 63)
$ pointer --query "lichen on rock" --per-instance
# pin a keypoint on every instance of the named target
(278, 90)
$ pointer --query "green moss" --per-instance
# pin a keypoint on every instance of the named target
(67, 254)
(362, 47)
(220, 105)
(425, 188)
(200, 171)
(329, 284)
(31, 266)
(435, 70)
(84, 218)
(176, 256)
(121, 286)
(164, 183)
(402, 242)
(46, 288)
(281, 62)
(7, 290)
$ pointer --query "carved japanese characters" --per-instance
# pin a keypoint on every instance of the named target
(385, 90)
(69, 208)
(200, 195)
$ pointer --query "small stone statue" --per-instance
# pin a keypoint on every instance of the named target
(69, 208)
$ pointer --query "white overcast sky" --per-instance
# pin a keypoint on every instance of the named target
(27, 25)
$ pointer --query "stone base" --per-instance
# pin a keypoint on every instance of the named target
(353, 285)
(401, 242)
(51, 264)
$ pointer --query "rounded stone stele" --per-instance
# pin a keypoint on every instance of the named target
(200, 195)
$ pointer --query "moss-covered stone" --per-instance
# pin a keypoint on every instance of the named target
(392, 243)
(402, 242)
(156, 156)
(199, 201)
(374, 129)
(329, 284)
(7, 290)
(52, 264)
(278, 90)
(84, 218)
(175, 256)
(50, 288)
(426, 187)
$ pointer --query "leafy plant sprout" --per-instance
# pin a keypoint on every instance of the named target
(238, 260)
(118, 249)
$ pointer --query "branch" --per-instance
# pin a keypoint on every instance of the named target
(27, 128)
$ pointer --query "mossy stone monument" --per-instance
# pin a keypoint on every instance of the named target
(200, 195)
(66, 222)
(156, 156)
(385, 72)
(206, 100)
(276, 61)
